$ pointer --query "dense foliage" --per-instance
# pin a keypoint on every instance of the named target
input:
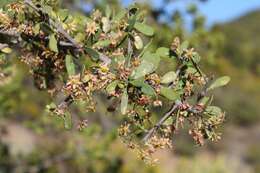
(73, 57)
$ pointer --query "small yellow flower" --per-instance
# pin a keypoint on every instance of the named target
(91, 28)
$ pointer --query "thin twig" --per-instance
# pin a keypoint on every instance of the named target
(58, 26)
(162, 120)
(55, 24)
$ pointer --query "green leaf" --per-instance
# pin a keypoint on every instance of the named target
(6, 50)
(37, 28)
(138, 42)
(149, 63)
(124, 102)
(53, 43)
(143, 69)
(102, 43)
(191, 70)
(63, 14)
(170, 93)
(120, 15)
(108, 11)
(79, 37)
(214, 110)
(67, 121)
(143, 28)
(131, 23)
(46, 28)
(153, 58)
(50, 107)
(147, 89)
(112, 86)
(204, 101)
(92, 53)
(163, 52)
(106, 26)
(137, 82)
(196, 58)
(168, 77)
(70, 66)
(222, 81)
(168, 122)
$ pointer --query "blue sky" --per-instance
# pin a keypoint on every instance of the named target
(216, 11)
(226, 10)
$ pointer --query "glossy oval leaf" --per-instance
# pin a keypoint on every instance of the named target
(124, 102)
(143, 69)
(152, 58)
(163, 52)
(168, 77)
(138, 42)
(147, 89)
(112, 87)
(222, 81)
(213, 110)
(120, 15)
(53, 45)
(92, 53)
(170, 93)
(105, 24)
(102, 43)
(143, 28)
(6, 50)
(70, 66)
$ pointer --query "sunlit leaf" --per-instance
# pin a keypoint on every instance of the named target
(213, 110)
(170, 93)
(143, 69)
(131, 23)
(92, 53)
(138, 42)
(204, 100)
(163, 52)
(196, 58)
(112, 87)
(6, 50)
(37, 28)
(153, 58)
(168, 77)
(149, 63)
(102, 43)
(148, 90)
(63, 14)
(53, 43)
(108, 11)
(124, 102)
(222, 81)
(70, 66)
(105, 24)
(120, 15)
(143, 28)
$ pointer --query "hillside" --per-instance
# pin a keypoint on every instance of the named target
(242, 41)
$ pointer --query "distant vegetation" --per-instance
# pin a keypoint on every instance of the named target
(241, 53)
(242, 42)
